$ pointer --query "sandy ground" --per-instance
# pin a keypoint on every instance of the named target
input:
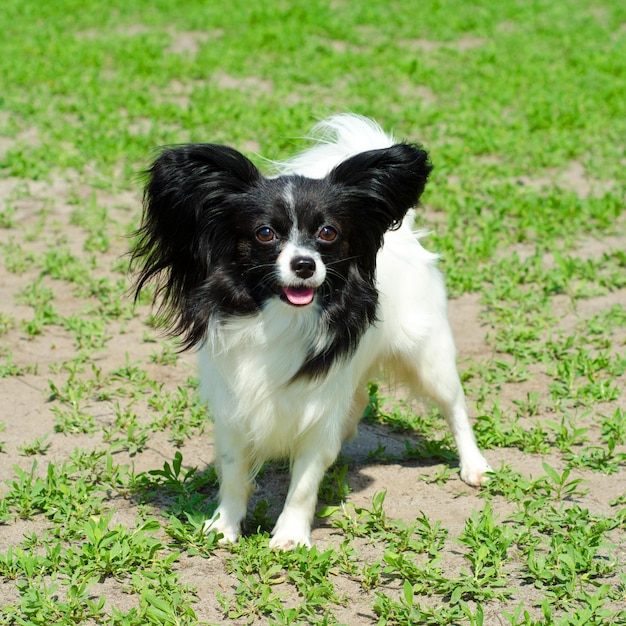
(43, 220)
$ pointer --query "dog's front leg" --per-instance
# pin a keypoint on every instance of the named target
(293, 527)
(232, 464)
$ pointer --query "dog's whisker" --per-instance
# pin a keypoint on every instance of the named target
(258, 267)
(342, 260)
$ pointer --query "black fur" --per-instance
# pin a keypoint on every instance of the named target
(203, 204)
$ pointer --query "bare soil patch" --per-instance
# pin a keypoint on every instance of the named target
(27, 406)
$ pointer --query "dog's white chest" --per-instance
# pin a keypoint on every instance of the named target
(246, 373)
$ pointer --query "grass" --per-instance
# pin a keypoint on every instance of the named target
(106, 451)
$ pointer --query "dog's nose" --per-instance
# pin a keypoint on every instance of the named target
(303, 266)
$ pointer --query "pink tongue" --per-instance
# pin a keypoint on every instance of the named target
(299, 296)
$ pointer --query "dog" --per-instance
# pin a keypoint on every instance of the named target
(296, 289)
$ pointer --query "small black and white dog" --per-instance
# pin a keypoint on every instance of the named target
(297, 289)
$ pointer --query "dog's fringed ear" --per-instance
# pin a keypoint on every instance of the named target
(191, 193)
(385, 183)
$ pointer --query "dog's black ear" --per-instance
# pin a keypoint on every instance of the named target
(385, 183)
(191, 194)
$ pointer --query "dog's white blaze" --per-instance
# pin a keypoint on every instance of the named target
(290, 202)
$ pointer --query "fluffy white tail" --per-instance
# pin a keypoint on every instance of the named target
(336, 138)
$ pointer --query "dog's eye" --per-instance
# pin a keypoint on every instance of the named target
(327, 233)
(265, 234)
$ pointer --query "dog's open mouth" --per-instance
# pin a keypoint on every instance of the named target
(298, 296)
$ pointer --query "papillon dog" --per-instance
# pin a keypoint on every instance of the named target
(296, 289)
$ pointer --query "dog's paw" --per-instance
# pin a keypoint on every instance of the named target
(289, 533)
(229, 532)
(476, 473)
(288, 542)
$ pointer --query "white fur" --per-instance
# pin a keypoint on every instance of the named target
(337, 138)
(246, 367)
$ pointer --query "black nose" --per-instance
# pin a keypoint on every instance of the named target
(303, 266)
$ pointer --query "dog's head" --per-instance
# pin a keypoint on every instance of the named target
(221, 239)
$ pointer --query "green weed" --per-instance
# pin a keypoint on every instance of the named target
(525, 207)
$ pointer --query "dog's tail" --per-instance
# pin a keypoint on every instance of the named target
(336, 138)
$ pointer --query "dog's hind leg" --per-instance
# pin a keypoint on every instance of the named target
(433, 374)
(474, 467)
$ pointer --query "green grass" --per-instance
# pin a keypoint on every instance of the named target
(103, 442)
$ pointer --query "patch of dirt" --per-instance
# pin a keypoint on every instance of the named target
(463, 44)
(247, 83)
(188, 43)
(421, 93)
(574, 178)
(27, 412)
